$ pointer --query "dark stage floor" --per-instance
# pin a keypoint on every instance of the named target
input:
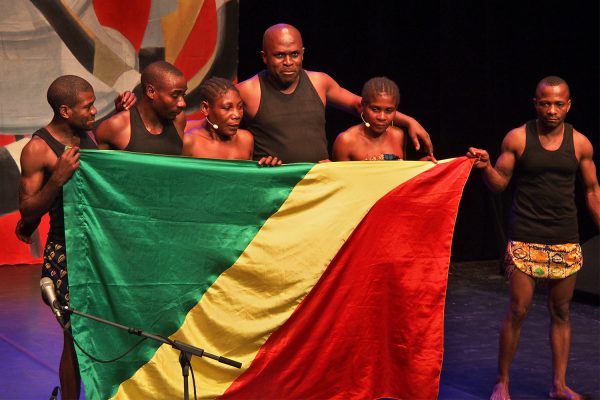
(30, 339)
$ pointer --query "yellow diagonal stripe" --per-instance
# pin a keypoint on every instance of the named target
(259, 292)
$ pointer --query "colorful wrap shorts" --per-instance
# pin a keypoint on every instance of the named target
(549, 261)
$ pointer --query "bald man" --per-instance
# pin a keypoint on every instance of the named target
(284, 105)
(156, 124)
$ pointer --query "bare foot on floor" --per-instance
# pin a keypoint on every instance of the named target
(500, 392)
(565, 393)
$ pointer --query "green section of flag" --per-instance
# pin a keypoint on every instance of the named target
(170, 225)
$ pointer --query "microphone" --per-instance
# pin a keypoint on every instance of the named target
(215, 126)
(49, 295)
(54, 394)
(363, 120)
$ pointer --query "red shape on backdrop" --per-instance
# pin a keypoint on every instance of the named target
(130, 19)
(13, 250)
(6, 139)
(200, 43)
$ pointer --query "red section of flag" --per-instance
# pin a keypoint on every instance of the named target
(13, 250)
(130, 19)
(200, 43)
(373, 326)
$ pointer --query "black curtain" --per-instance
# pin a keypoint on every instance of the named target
(466, 70)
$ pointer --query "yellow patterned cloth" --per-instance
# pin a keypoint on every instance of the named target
(551, 261)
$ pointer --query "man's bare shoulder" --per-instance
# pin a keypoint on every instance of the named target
(35, 145)
(114, 124)
(35, 153)
(249, 85)
(320, 79)
(114, 132)
(515, 139)
(583, 145)
(317, 75)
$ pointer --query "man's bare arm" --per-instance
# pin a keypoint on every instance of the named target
(587, 169)
(35, 196)
(498, 177)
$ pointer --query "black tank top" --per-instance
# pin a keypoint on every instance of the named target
(57, 217)
(142, 141)
(289, 126)
(543, 209)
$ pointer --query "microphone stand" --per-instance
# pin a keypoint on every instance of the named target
(186, 350)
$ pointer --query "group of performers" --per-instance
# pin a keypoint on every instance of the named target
(283, 108)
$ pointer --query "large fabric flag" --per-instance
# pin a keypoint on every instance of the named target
(326, 281)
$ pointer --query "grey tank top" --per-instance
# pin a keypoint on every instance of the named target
(289, 126)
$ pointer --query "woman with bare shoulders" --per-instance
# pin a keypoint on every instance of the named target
(218, 134)
(376, 138)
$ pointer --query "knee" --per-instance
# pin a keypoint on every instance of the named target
(517, 313)
(559, 312)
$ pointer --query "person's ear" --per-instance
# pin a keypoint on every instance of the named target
(362, 106)
(64, 111)
(263, 56)
(150, 91)
(204, 106)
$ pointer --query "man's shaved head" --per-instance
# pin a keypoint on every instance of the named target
(65, 90)
(156, 73)
(551, 81)
(281, 32)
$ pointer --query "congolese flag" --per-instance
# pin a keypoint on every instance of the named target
(323, 280)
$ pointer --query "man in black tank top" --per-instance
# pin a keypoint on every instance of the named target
(284, 106)
(47, 162)
(157, 123)
(544, 156)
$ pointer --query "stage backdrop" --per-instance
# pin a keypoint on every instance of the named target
(108, 43)
(325, 281)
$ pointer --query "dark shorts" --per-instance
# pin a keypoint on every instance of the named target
(55, 268)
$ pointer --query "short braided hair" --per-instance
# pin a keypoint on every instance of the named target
(380, 85)
(215, 87)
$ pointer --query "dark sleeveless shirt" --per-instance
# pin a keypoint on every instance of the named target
(289, 126)
(142, 141)
(57, 217)
(543, 209)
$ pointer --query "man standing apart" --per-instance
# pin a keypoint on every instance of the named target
(284, 105)
(156, 124)
(544, 156)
